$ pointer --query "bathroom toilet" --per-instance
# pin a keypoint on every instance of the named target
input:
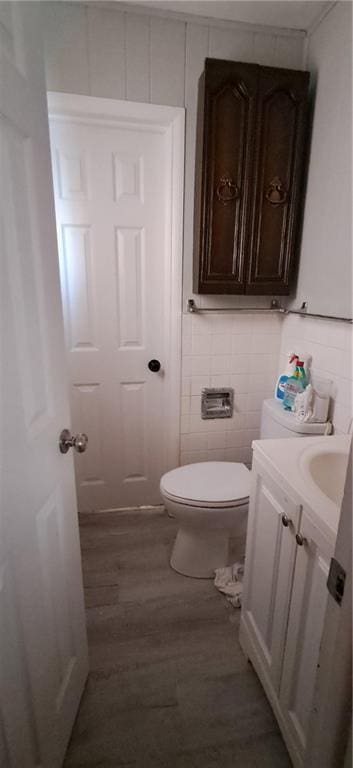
(210, 499)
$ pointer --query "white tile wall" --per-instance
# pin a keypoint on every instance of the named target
(222, 350)
(248, 353)
(330, 344)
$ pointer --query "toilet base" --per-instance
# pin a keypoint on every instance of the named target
(198, 554)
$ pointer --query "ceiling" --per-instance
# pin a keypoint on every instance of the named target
(292, 14)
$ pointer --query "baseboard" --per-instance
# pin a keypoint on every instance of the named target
(126, 510)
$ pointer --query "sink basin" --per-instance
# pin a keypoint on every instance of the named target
(328, 470)
(326, 467)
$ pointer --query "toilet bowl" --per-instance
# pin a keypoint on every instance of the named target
(210, 500)
(210, 503)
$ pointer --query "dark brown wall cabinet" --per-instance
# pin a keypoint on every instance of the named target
(252, 131)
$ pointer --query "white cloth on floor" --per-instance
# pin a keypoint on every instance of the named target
(229, 580)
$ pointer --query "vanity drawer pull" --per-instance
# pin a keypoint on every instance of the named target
(286, 521)
(300, 539)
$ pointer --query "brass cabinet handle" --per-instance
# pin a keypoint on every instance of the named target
(276, 193)
(226, 190)
(286, 521)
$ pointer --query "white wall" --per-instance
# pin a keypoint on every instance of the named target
(325, 275)
(325, 271)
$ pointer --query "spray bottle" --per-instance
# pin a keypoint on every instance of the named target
(283, 378)
(295, 384)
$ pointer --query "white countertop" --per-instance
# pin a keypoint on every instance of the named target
(283, 458)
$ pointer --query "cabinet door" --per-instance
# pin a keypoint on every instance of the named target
(222, 214)
(269, 565)
(278, 184)
(306, 618)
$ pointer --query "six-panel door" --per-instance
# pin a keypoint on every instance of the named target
(114, 196)
(43, 647)
(269, 562)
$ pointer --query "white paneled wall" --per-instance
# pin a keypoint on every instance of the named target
(330, 345)
(219, 351)
(127, 55)
(325, 267)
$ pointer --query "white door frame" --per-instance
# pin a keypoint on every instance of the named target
(169, 121)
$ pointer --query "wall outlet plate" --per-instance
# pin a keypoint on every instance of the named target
(336, 580)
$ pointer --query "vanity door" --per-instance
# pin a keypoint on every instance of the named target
(269, 564)
(305, 626)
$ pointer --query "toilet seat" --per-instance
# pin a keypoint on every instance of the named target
(211, 484)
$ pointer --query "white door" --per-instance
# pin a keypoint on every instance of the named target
(270, 549)
(43, 651)
(305, 626)
(118, 196)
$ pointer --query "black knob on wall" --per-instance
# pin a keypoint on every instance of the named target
(154, 366)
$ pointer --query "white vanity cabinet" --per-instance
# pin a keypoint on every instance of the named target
(284, 601)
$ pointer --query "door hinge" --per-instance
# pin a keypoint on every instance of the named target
(336, 580)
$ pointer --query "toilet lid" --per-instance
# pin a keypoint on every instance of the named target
(208, 483)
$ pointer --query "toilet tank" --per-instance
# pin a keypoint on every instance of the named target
(276, 422)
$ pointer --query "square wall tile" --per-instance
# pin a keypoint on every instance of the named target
(200, 365)
(216, 440)
(200, 344)
(216, 455)
(240, 363)
(240, 383)
(221, 344)
(195, 404)
(192, 457)
(197, 385)
(223, 380)
(201, 324)
(194, 442)
(235, 438)
(241, 343)
(221, 364)
(242, 324)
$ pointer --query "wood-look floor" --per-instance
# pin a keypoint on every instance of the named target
(169, 686)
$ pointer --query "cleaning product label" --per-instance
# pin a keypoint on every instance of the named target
(283, 378)
(281, 384)
(295, 384)
(290, 392)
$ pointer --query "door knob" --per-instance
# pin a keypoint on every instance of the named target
(67, 441)
(300, 539)
(154, 366)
